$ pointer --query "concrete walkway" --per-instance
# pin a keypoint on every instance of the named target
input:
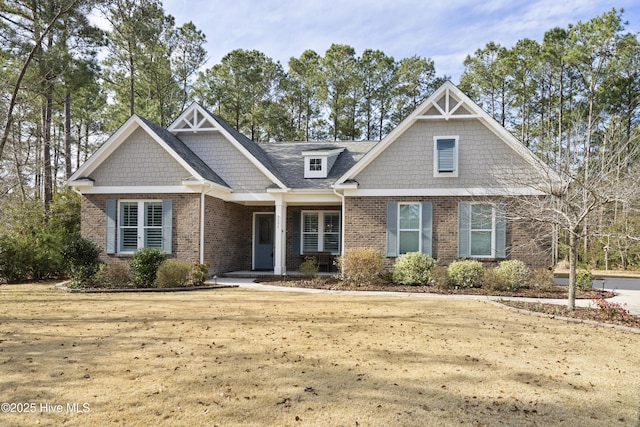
(629, 297)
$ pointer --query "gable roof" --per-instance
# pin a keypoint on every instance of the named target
(446, 103)
(196, 118)
(172, 145)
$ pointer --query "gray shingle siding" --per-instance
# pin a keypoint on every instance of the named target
(484, 160)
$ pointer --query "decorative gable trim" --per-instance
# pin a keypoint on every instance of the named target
(197, 119)
(194, 119)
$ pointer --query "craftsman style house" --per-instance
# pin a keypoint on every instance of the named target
(442, 183)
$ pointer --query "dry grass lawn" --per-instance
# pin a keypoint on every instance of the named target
(237, 357)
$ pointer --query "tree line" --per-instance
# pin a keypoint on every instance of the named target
(66, 84)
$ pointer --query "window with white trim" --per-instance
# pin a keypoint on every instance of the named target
(445, 156)
(140, 225)
(321, 231)
(409, 219)
(482, 230)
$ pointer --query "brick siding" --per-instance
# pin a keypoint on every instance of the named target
(366, 224)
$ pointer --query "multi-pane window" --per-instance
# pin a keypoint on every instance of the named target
(140, 225)
(409, 227)
(321, 231)
(482, 230)
(315, 164)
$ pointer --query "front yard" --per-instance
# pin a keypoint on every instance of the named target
(238, 357)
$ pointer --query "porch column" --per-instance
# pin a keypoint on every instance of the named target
(280, 244)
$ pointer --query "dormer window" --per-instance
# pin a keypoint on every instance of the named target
(315, 165)
(318, 163)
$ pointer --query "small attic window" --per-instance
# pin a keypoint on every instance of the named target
(315, 165)
(318, 163)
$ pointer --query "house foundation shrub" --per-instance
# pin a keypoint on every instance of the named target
(309, 267)
(82, 259)
(145, 264)
(515, 273)
(495, 281)
(114, 276)
(466, 273)
(413, 268)
(361, 266)
(199, 273)
(173, 273)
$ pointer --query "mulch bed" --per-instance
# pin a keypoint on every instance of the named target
(557, 292)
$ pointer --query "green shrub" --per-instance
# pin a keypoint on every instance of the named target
(82, 260)
(466, 273)
(494, 281)
(413, 268)
(145, 264)
(584, 279)
(173, 273)
(515, 273)
(361, 266)
(114, 276)
(199, 273)
(15, 258)
(309, 267)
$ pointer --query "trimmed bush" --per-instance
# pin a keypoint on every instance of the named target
(114, 276)
(309, 267)
(145, 264)
(542, 279)
(440, 277)
(515, 272)
(173, 273)
(82, 259)
(466, 273)
(361, 266)
(413, 268)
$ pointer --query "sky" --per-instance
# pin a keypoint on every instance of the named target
(443, 30)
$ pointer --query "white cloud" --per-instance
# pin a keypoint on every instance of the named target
(444, 30)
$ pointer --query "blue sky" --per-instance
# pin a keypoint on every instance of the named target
(443, 30)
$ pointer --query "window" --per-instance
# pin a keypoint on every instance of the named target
(445, 156)
(315, 165)
(321, 232)
(409, 228)
(481, 230)
(140, 225)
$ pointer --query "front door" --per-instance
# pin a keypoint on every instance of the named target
(263, 241)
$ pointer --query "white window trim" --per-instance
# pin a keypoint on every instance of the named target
(436, 172)
(410, 229)
(140, 227)
(322, 173)
(321, 215)
(493, 230)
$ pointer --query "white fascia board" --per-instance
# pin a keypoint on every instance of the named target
(328, 153)
(200, 184)
(140, 189)
(438, 192)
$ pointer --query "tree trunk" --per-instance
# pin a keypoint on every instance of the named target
(573, 246)
(67, 134)
(46, 147)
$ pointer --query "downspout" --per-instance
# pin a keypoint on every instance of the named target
(202, 225)
(342, 230)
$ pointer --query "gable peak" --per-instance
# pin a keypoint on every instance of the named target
(194, 119)
(447, 102)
